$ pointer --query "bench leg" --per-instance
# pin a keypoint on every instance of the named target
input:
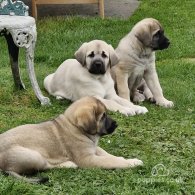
(13, 54)
(101, 8)
(31, 72)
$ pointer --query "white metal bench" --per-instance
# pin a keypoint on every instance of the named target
(19, 29)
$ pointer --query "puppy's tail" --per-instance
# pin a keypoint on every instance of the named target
(47, 82)
(29, 180)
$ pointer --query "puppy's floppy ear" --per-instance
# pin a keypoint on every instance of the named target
(113, 56)
(80, 54)
(85, 119)
(144, 36)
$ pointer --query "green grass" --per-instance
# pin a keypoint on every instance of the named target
(162, 136)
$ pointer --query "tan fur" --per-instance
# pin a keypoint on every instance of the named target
(72, 80)
(136, 65)
(69, 141)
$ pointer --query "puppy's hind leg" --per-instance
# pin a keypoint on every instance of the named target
(20, 160)
(138, 97)
(59, 97)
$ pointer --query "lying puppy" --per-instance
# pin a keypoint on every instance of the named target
(89, 75)
(69, 141)
(136, 68)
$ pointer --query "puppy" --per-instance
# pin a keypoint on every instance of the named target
(136, 71)
(89, 75)
(69, 141)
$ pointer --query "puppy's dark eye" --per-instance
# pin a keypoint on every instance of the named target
(158, 34)
(104, 55)
(91, 55)
(103, 116)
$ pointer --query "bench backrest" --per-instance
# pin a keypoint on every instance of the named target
(7, 7)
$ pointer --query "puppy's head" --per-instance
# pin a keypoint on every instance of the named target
(97, 56)
(151, 34)
(89, 115)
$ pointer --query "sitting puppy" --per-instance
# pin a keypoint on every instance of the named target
(89, 75)
(136, 71)
(69, 141)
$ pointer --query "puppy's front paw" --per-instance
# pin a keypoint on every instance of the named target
(165, 103)
(140, 109)
(134, 162)
(128, 111)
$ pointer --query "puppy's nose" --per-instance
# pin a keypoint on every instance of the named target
(98, 64)
(167, 41)
(114, 124)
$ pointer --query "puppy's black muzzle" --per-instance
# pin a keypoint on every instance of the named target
(97, 67)
(162, 43)
(109, 126)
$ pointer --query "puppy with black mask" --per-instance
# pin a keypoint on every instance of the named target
(135, 75)
(68, 141)
(89, 75)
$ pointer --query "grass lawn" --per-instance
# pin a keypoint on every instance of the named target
(162, 136)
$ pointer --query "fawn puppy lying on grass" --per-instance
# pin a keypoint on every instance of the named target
(89, 75)
(69, 141)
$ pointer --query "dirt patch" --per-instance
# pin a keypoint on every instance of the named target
(190, 60)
